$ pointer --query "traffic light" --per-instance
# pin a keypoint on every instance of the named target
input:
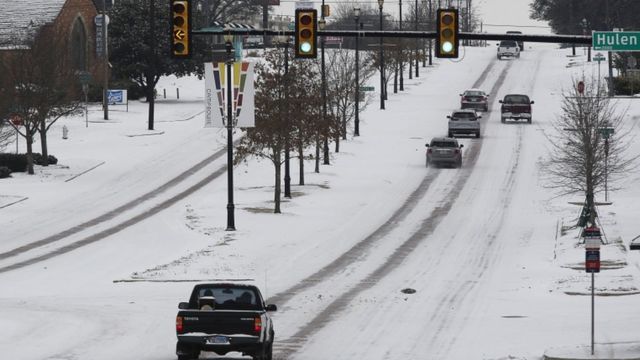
(306, 33)
(447, 36)
(180, 28)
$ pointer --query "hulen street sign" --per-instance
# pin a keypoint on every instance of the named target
(616, 40)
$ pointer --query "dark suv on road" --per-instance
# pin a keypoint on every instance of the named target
(517, 107)
(444, 151)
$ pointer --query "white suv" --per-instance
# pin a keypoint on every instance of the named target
(508, 48)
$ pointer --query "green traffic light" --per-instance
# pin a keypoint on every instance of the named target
(305, 47)
(447, 47)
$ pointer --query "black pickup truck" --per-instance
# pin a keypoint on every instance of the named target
(224, 317)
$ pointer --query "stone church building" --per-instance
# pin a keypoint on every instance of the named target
(72, 21)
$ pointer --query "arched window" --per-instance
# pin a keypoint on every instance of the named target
(79, 46)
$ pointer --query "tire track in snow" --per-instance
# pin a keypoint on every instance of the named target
(287, 347)
(141, 200)
(359, 249)
(486, 249)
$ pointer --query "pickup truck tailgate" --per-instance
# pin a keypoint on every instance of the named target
(220, 322)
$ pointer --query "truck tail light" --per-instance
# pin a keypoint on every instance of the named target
(179, 327)
(257, 324)
(456, 151)
(428, 151)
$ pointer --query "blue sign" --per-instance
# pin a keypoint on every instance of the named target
(117, 97)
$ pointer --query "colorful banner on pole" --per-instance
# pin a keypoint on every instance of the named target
(215, 94)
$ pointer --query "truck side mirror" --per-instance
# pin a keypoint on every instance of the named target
(532, 101)
(426, 145)
(448, 116)
(183, 305)
(461, 145)
(479, 116)
(500, 101)
(272, 307)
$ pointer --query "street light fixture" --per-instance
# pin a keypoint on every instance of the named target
(380, 4)
(356, 128)
(228, 38)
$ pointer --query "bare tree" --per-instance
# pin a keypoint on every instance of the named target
(341, 87)
(588, 147)
(6, 134)
(279, 115)
(41, 85)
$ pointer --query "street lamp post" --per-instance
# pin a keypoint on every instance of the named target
(417, 50)
(321, 25)
(430, 24)
(356, 127)
(401, 53)
(228, 38)
(380, 3)
(287, 168)
(105, 53)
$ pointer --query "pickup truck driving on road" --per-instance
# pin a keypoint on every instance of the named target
(516, 106)
(224, 317)
(508, 48)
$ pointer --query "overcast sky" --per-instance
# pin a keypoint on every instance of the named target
(496, 14)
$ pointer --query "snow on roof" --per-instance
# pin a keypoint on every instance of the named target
(18, 18)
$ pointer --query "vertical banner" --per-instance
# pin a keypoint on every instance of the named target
(244, 93)
(214, 108)
(215, 94)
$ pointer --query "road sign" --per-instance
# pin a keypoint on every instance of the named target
(606, 132)
(84, 77)
(616, 40)
(367, 88)
(592, 261)
(581, 87)
(599, 57)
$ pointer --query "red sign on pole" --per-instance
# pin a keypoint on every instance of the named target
(581, 87)
(592, 261)
(16, 120)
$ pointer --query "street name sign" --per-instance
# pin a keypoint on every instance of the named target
(616, 40)
(599, 57)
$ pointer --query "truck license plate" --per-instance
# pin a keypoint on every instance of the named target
(217, 340)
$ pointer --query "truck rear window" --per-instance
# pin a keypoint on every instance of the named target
(444, 144)
(230, 298)
(509, 43)
(517, 99)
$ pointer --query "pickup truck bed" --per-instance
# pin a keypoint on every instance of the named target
(222, 318)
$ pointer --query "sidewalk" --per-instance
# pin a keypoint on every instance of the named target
(603, 351)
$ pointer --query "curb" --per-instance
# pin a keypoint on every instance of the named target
(603, 351)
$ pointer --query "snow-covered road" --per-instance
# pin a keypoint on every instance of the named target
(477, 243)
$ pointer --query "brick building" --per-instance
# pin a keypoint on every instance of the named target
(72, 21)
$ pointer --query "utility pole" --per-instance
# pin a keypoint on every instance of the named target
(356, 127)
(416, 29)
(431, 27)
(324, 92)
(401, 52)
(152, 61)
(287, 175)
(380, 4)
(105, 63)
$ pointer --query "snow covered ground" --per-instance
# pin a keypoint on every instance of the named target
(128, 214)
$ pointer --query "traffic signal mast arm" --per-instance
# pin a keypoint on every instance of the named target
(569, 39)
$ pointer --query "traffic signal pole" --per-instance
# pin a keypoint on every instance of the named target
(578, 39)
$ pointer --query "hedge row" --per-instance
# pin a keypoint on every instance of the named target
(5, 172)
(18, 162)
